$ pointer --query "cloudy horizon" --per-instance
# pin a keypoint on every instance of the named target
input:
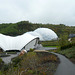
(38, 11)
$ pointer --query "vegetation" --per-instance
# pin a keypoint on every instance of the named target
(11, 52)
(50, 43)
(4, 55)
(32, 63)
(64, 46)
(1, 63)
(67, 48)
(61, 43)
(19, 28)
(37, 63)
(70, 53)
(31, 50)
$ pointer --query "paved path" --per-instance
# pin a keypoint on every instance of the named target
(8, 59)
(66, 67)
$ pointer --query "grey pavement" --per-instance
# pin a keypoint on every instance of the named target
(40, 47)
(66, 67)
(8, 59)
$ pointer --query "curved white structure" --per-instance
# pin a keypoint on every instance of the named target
(25, 41)
(47, 34)
(36, 34)
(44, 34)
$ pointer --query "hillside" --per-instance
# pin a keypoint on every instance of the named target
(19, 28)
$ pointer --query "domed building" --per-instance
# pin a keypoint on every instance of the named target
(27, 40)
(47, 34)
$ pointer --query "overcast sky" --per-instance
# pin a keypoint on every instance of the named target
(38, 11)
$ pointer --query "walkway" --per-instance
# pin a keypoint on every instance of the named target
(66, 67)
(8, 59)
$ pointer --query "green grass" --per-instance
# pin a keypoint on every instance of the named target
(70, 52)
(11, 52)
(52, 46)
(50, 43)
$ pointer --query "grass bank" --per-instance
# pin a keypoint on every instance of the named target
(50, 43)
(70, 53)
(52, 46)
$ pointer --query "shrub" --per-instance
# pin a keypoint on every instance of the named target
(0, 60)
(16, 61)
(31, 50)
(70, 52)
(67, 46)
(5, 67)
(1, 63)
(32, 64)
(64, 43)
(1, 73)
(11, 52)
(50, 43)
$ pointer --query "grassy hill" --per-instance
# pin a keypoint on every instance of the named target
(19, 28)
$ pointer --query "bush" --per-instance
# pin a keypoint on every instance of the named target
(64, 43)
(32, 64)
(16, 61)
(5, 67)
(0, 60)
(70, 52)
(50, 43)
(1, 63)
(1, 73)
(11, 52)
(67, 46)
(31, 50)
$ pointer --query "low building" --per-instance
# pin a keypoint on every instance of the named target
(71, 36)
(25, 41)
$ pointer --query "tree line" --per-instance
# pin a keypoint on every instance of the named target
(14, 29)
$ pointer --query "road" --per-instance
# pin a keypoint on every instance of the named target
(66, 67)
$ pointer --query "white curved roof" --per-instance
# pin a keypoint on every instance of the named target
(18, 42)
(15, 43)
(36, 34)
(46, 34)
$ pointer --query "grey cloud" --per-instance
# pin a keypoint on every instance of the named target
(38, 11)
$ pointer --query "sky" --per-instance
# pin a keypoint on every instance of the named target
(38, 11)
